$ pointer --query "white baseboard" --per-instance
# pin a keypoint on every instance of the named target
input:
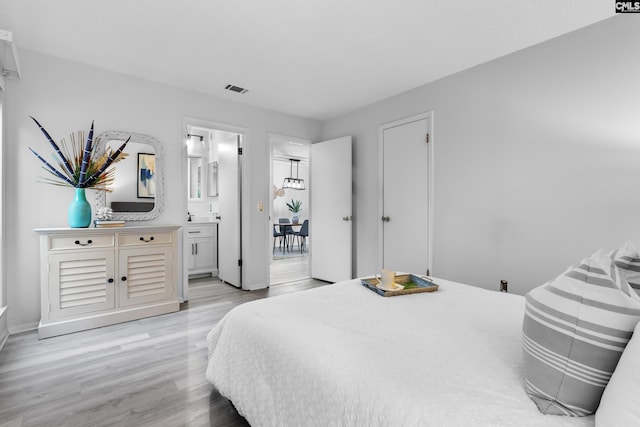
(4, 331)
(3, 338)
(25, 327)
(255, 286)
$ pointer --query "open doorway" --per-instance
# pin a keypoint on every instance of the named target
(291, 247)
(214, 202)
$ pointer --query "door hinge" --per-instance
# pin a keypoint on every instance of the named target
(239, 151)
(426, 138)
(239, 263)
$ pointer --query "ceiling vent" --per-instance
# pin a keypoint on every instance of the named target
(238, 89)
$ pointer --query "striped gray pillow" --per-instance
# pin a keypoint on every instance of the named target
(574, 331)
(627, 260)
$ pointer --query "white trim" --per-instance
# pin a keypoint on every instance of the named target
(24, 327)
(4, 308)
(9, 66)
(276, 137)
(429, 116)
(4, 332)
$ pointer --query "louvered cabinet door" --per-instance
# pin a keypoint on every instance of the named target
(145, 275)
(81, 282)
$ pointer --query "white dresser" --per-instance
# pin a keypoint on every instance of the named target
(202, 238)
(92, 277)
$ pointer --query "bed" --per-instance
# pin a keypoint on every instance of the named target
(341, 355)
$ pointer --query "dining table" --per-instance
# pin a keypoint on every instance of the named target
(287, 233)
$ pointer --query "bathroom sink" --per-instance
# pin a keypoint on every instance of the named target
(200, 219)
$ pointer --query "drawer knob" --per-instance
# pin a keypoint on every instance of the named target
(123, 278)
(77, 242)
(142, 239)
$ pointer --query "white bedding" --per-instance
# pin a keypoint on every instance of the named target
(341, 355)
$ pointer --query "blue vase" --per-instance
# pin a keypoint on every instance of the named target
(79, 214)
(295, 218)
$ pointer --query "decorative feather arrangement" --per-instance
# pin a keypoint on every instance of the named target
(79, 166)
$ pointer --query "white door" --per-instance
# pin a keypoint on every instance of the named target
(330, 222)
(229, 196)
(405, 195)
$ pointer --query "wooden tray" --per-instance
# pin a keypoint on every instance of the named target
(424, 285)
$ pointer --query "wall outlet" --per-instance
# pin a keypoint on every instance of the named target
(504, 286)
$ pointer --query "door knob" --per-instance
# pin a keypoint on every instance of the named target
(386, 219)
(347, 218)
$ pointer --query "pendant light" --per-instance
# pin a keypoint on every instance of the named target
(291, 182)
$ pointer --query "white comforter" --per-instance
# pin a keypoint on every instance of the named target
(341, 355)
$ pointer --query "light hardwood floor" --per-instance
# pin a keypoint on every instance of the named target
(290, 270)
(148, 372)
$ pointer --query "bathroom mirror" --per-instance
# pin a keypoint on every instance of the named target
(195, 176)
(138, 186)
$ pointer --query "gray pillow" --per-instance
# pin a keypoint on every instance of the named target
(574, 331)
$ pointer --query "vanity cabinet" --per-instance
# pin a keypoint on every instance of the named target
(202, 247)
(95, 277)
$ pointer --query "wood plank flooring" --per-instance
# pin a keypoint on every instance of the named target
(148, 372)
(290, 269)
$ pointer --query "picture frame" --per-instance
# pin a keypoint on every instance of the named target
(146, 176)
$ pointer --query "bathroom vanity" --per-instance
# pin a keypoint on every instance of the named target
(202, 248)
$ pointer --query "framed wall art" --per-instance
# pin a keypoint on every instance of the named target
(146, 176)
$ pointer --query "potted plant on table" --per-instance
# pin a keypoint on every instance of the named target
(80, 167)
(295, 206)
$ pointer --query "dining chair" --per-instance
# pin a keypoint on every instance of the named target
(277, 234)
(287, 230)
(303, 233)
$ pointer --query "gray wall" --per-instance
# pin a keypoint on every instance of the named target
(537, 159)
(65, 97)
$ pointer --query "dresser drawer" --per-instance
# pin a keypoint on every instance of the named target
(84, 241)
(145, 238)
(194, 231)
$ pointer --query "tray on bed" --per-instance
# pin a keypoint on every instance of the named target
(416, 284)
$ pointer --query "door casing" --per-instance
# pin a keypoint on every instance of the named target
(274, 139)
(430, 186)
(209, 124)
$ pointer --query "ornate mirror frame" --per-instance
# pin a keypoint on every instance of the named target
(101, 196)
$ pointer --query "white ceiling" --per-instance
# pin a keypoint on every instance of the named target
(309, 58)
